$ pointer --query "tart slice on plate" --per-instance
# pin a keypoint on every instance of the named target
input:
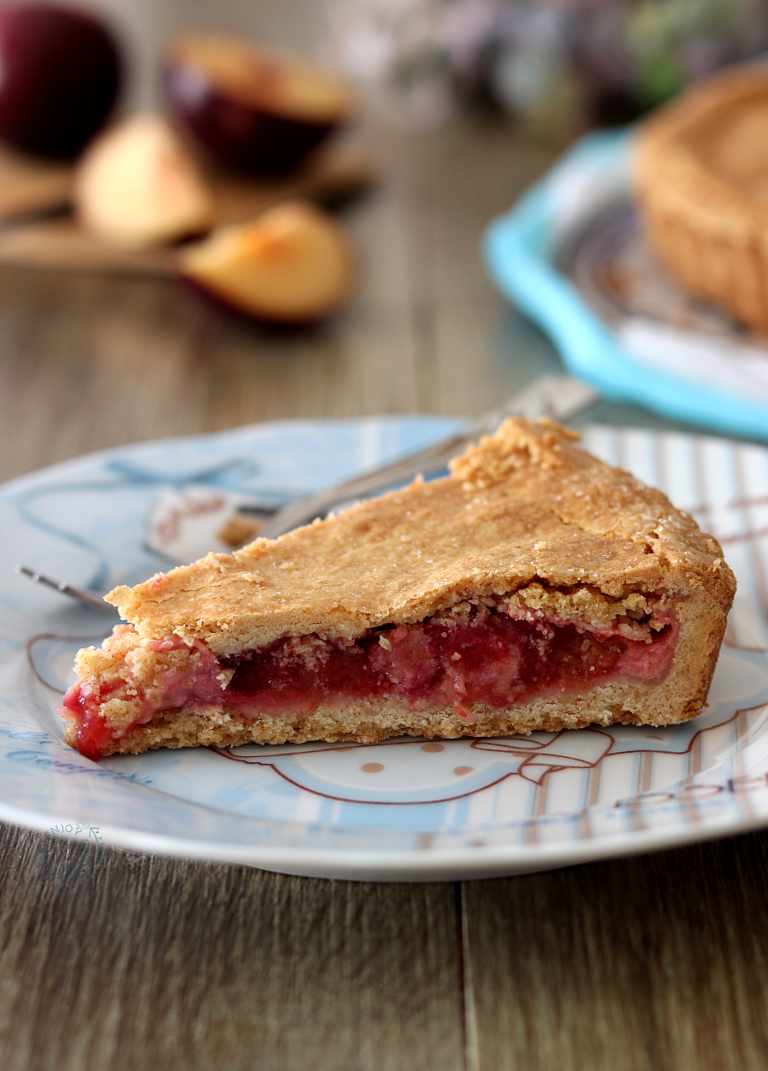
(533, 588)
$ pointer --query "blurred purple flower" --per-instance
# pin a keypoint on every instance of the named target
(557, 61)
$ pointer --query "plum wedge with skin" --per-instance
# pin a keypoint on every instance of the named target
(252, 109)
(292, 265)
(138, 187)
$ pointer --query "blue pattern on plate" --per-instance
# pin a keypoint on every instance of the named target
(401, 809)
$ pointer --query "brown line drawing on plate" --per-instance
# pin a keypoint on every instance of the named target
(593, 785)
(637, 823)
(540, 795)
(697, 758)
(728, 641)
(169, 528)
(735, 537)
(694, 767)
(52, 636)
(538, 773)
(646, 767)
(741, 732)
(584, 825)
(530, 827)
(223, 753)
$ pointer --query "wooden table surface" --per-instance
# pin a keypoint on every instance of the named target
(658, 962)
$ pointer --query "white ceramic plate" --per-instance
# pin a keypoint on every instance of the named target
(403, 810)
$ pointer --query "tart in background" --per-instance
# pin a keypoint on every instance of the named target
(701, 176)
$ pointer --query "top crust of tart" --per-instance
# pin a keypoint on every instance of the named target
(705, 156)
(523, 511)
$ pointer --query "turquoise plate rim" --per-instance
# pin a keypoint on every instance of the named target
(519, 249)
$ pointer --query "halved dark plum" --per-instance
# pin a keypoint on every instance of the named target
(253, 110)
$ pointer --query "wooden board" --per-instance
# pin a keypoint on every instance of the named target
(195, 967)
(651, 964)
(29, 187)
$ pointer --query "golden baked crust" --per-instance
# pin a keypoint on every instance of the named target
(524, 505)
(526, 523)
(701, 171)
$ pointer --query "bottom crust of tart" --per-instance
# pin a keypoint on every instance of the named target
(370, 721)
(729, 273)
(133, 696)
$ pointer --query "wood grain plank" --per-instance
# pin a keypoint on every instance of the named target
(29, 185)
(92, 362)
(649, 964)
(163, 963)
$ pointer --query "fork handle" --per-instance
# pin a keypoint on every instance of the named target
(553, 396)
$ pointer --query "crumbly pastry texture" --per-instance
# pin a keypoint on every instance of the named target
(527, 525)
(701, 177)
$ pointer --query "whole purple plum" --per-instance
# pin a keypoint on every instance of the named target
(60, 73)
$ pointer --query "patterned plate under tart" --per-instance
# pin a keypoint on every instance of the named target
(405, 808)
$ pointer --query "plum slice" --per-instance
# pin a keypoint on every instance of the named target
(137, 186)
(291, 265)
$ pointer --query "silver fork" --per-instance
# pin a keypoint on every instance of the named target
(84, 595)
(558, 397)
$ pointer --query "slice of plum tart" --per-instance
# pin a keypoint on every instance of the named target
(533, 588)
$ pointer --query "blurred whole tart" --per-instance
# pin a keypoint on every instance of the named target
(701, 175)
